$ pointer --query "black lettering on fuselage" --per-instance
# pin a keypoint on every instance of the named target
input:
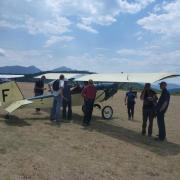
(4, 94)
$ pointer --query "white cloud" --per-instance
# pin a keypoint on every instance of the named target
(2, 52)
(167, 22)
(133, 52)
(57, 26)
(52, 16)
(55, 39)
(10, 25)
(152, 58)
(133, 7)
(86, 28)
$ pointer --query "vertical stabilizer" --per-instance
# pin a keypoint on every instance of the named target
(9, 92)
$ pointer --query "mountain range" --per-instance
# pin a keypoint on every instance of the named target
(28, 70)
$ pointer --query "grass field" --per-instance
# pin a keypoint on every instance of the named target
(32, 148)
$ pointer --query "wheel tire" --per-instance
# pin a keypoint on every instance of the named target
(107, 112)
(7, 116)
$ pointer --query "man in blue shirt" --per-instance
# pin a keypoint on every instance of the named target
(67, 100)
(130, 102)
(56, 87)
(161, 109)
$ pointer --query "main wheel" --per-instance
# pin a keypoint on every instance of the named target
(107, 112)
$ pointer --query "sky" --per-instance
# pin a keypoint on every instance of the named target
(94, 35)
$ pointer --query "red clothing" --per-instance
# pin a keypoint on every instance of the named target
(89, 92)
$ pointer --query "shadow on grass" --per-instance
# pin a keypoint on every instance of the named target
(12, 120)
(15, 121)
(105, 127)
(45, 118)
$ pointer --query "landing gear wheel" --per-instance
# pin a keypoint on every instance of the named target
(107, 112)
(7, 116)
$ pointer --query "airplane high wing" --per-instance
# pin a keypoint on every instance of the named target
(114, 77)
(10, 76)
(128, 77)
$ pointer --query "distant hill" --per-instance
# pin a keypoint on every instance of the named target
(34, 70)
(172, 88)
(62, 68)
(19, 70)
(169, 87)
(175, 90)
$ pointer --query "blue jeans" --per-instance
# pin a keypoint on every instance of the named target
(148, 115)
(161, 125)
(56, 109)
(130, 107)
(88, 111)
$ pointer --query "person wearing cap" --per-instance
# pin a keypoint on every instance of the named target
(39, 88)
(161, 109)
(130, 102)
(56, 88)
(67, 101)
(89, 95)
(149, 98)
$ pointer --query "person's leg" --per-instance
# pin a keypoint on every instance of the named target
(85, 112)
(145, 116)
(58, 108)
(162, 130)
(129, 111)
(132, 111)
(64, 108)
(69, 110)
(150, 123)
(91, 104)
(53, 110)
(38, 109)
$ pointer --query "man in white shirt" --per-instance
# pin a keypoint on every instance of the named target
(56, 87)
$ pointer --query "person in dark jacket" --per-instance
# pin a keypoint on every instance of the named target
(39, 88)
(161, 109)
(89, 95)
(149, 98)
(130, 102)
(67, 101)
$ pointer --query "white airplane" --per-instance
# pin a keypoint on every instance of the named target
(107, 85)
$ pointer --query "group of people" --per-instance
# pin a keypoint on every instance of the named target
(61, 91)
(152, 107)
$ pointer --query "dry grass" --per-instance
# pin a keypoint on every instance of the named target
(32, 148)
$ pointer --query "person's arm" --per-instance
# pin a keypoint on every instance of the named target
(163, 107)
(136, 94)
(165, 103)
(83, 93)
(142, 95)
(50, 87)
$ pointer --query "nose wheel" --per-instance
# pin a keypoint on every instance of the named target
(107, 112)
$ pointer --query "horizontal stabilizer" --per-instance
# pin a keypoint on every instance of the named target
(17, 104)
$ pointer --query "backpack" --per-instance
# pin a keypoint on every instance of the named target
(55, 85)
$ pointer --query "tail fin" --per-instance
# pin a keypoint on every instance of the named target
(9, 92)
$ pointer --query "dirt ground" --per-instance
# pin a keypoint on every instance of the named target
(32, 148)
